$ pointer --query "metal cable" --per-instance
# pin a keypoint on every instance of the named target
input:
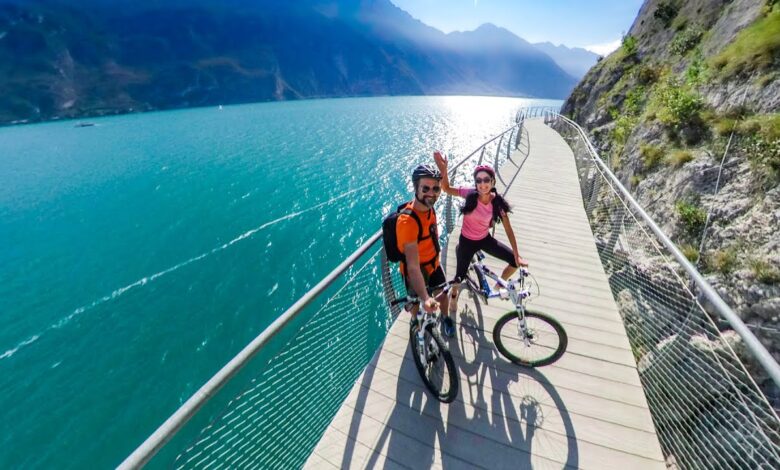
(717, 182)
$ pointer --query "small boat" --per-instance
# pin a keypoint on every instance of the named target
(84, 124)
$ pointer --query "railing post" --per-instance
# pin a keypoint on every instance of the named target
(498, 152)
(519, 135)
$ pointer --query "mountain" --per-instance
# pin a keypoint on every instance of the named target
(104, 57)
(687, 111)
(575, 61)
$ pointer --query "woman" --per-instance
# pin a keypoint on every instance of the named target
(483, 208)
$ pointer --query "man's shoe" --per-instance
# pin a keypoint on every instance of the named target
(448, 327)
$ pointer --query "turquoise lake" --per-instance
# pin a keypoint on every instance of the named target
(142, 253)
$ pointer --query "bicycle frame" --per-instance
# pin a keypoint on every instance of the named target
(515, 289)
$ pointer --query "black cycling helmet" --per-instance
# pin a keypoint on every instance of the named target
(425, 171)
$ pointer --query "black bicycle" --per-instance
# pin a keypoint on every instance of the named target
(431, 354)
(525, 337)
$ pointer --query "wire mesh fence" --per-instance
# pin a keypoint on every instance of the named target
(276, 420)
(708, 410)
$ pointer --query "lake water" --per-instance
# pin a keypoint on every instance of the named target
(140, 254)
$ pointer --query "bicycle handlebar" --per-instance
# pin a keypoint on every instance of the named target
(412, 298)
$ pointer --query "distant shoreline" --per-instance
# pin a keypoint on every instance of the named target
(121, 112)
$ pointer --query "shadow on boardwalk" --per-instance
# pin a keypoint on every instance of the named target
(494, 423)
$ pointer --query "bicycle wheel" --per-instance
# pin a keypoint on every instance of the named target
(542, 342)
(439, 375)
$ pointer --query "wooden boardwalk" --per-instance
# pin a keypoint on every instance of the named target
(587, 410)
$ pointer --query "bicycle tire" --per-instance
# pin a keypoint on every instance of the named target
(550, 339)
(431, 334)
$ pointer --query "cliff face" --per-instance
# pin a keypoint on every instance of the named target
(59, 60)
(697, 83)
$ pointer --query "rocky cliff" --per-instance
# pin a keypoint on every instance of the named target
(686, 111)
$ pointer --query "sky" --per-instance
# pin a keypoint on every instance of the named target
(596, 25)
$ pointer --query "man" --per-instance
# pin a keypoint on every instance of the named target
(418, 240)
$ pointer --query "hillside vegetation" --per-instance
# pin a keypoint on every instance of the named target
(696, 84)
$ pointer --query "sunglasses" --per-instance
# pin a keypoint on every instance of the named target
(427, 189)
(483, 180)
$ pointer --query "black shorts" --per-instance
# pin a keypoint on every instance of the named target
(467, 248)
(434, 279)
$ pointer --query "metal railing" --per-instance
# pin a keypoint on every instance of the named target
(534, 112)
(274, 414)
(708, 410)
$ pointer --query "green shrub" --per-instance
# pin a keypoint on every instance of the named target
(626, 118)
(756, 47)
(624, 126)
(647, 74)
(692, 217)
(628, 45)
(722, 261)
(634, 101)
(651, 155)
(697, 72)
(665, 12)
(760, 141)
(635, 180)
(679, 158)
(685, 40)
(764, 272)
(690, 252)
(675, 104)
(764, 156)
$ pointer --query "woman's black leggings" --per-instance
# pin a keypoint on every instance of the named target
(467, 248)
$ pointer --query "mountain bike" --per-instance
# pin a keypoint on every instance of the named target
(431, 354)
(525, 337)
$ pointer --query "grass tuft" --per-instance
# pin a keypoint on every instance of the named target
(679, 158)
(764, 272)
(651, 155)
(722, 261)
(756, 47)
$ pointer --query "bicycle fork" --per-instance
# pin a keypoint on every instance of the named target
(421, 339)
(422, 347)
(522, 327)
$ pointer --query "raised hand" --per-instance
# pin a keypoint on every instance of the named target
(441, 161)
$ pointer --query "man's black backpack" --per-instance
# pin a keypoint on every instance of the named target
(389, 237)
